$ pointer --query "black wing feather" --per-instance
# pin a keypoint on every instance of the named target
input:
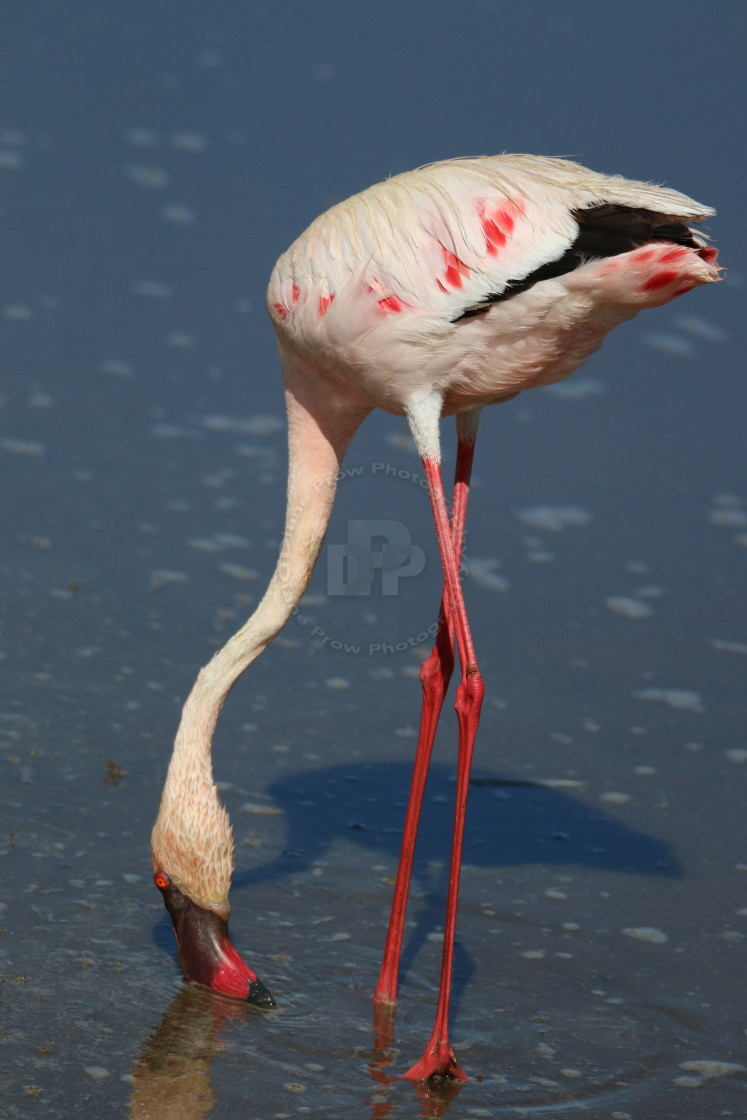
(604, 231)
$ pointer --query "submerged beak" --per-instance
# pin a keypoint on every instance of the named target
(206, 953)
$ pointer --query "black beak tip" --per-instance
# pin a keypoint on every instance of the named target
(259, 996)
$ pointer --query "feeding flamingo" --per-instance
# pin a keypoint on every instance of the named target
(432, 294)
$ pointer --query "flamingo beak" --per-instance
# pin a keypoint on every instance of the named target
(206, 953)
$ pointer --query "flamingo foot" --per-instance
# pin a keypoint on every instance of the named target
(439, 1063)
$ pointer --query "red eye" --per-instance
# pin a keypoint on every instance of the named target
(161, 881)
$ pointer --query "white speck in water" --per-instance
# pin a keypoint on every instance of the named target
(340, 937)
(236, 571)
(22, 446)
(38, 399)
(337, 684)
(204, 544)
(10, 160)
(683, 698)
(178, 214)
(260, 810)
(17, 311)
(97, 1072)
(116, 367)
(313, 599)
(534, 954)
(554, 518)
(729, 647)
(709, 1068)
(141, 137)
(554, 892)
(614, 797)
(628, 607)
(674, 345)
(231, 540)
(647, 933)
(482, 572)
(700, 328)
(180, 339)
(576, 388)
(384, 673)
(164, 430)
(258, 425)
(154, 289)
(153, 178)
(189, 142)
(736, 754)
(162, 576)
(728, 517)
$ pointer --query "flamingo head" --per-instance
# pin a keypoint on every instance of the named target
(206, 953)
(192, 852)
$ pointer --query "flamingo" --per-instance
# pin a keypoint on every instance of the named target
(432, 294)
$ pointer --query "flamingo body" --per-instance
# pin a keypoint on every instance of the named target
(372, 296)
(433, 294)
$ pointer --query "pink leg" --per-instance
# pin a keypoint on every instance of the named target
(435, 675)
(439, 1059)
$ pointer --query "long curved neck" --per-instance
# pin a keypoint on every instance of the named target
(316, 445)
(321, 423)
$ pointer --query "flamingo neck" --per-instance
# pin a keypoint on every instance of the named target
(192, 837)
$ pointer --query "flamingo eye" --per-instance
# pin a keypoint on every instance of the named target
(161, 881)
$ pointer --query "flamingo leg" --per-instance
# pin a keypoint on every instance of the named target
(438, 1059)
(435, 674)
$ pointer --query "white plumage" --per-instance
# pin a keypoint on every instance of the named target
(393, 267)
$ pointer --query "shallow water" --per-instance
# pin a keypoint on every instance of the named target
(153, 163)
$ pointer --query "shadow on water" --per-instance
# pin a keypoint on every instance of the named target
(510, 823)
